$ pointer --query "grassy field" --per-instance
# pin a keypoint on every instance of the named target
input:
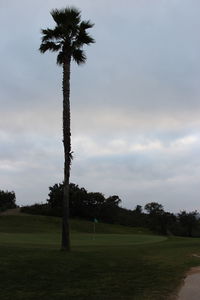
(116, 263)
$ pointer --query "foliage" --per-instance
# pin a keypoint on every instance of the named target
(157, 217)
(154, 208)
(189, 221)
(7, 200)
(68, 36)
(83, 204)
(90, 205)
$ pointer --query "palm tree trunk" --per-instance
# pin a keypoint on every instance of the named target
(65, 245)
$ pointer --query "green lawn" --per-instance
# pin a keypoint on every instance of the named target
(116, 263)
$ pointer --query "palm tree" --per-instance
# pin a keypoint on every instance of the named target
(67, 38)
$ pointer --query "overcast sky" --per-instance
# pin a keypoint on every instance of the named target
(135, 103)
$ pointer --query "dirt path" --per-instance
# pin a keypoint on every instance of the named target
(13, 211)
(191, 287)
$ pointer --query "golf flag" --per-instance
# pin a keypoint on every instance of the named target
(95, 220)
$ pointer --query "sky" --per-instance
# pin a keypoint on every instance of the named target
(135, 108)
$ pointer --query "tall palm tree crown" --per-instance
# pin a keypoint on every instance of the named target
(67, 38)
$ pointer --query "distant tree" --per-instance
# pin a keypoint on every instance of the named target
(83, 204)
(55, 199)
(138, 217)
(113, 200)
(67, 38)
(154, 208)
(7, 200)
(189, 221)
(95, 202)
(78, 201)
(157, 217)
(96, 199)
(109, 210)
(138, 209)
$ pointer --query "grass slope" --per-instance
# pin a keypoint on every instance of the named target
(115, 264)
(33, 223)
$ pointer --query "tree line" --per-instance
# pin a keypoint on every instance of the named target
(94, 205)
(83, 204)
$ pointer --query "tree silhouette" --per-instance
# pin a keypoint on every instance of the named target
(67, 38)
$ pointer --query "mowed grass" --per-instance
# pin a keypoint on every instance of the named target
(116, 263)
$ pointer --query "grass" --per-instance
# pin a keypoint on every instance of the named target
(118, 263)
(32, 223)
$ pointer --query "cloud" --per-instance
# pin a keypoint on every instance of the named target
(149, 171)
(135, 104)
